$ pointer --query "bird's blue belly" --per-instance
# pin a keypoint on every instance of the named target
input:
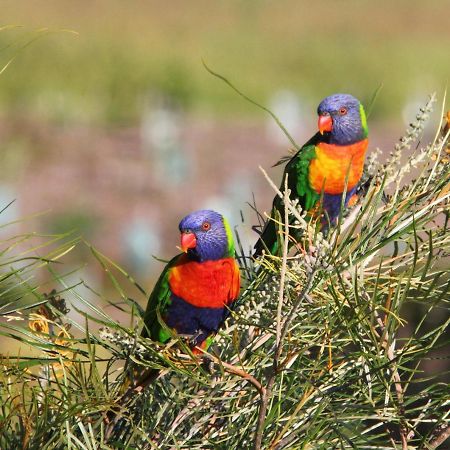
(332, 204)
(192, 320)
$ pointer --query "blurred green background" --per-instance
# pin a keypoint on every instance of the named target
(123, 49)
(116, 128)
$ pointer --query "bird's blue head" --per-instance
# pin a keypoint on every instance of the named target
(342, 119)
(206, 236)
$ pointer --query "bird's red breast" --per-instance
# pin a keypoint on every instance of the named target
(209, 284)
(328, 170)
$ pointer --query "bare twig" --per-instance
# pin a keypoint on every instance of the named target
(439, 439)
(284, 260)
(278, 442)
(294, 211)
(264, 398)
(389, 349)
(230, 368)
(282, 324)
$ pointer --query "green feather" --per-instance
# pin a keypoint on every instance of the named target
(159, 300)
(297, 171)
(231, 251)
(364, 126)
(300, 169)
(158, 303)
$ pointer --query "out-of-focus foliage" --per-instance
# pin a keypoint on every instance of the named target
(125, 51)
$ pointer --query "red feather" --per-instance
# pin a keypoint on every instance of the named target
(209, 284)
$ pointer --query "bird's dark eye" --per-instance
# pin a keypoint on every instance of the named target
(343, 111)
(206, 226)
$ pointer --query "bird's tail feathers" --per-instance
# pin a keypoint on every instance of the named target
(113, 417)
(268, 240)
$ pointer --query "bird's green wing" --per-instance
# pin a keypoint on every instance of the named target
(297, 173)
(158, 303)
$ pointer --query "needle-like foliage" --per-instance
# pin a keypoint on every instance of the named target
(338, 344)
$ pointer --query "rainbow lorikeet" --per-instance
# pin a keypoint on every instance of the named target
(197, 288)
(193, 295)
(329, 163)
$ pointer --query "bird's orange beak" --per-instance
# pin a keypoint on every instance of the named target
(188, 240)
(325, 123)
